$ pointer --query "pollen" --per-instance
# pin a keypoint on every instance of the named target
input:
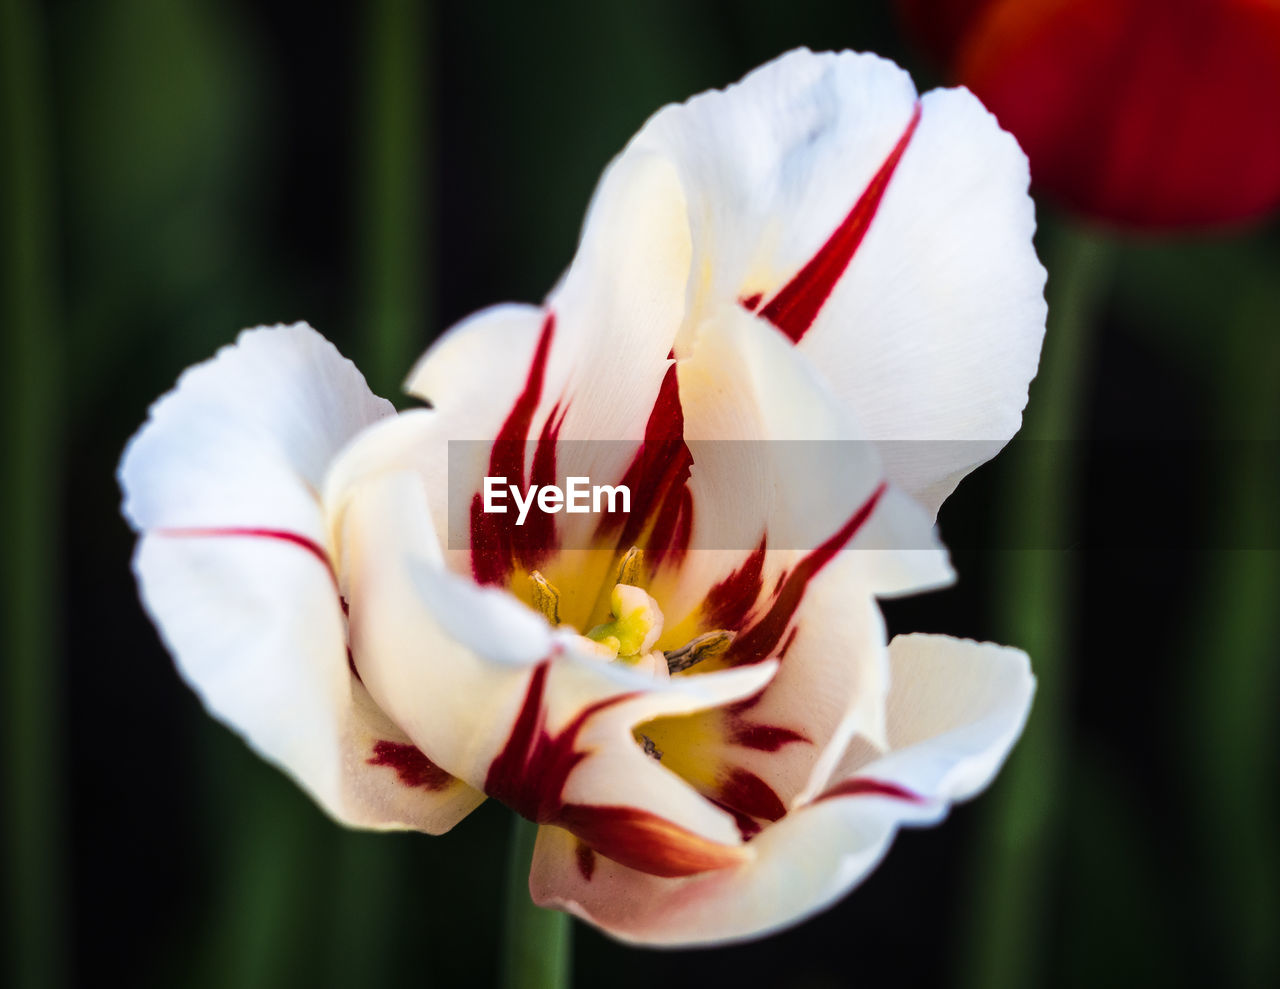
(545, 597)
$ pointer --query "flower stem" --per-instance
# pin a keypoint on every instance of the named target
(1232, 678)
(34, 853)
(1034, 601)
(536, 943)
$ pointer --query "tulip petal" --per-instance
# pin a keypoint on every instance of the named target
(955, 710)
(898, 231)
(245, 439)
(233, 567)
(793, 461)
(590, 366)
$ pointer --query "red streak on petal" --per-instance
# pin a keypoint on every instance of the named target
(760, 641)
(862, 786)
(750, 302)
(730, 601)
(534, 540)
(748, 826)
(529, 776)
(647, 842)
(310, 545)
(788, 642)
(492, 543)
(413, 768)
(669, 539)
(797, 304)
(530, 772)
(656, 476)
(586, 861)
(763, 738)
(745, 791)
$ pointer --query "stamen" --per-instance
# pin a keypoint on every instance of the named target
(545, 597)
(650, 749)
(709, 645)
(629, 569)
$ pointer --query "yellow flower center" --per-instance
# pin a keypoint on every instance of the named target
(634, 626)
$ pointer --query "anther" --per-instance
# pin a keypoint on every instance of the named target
(709, 645)
(650, 749)
(630, 567)
(545, 597)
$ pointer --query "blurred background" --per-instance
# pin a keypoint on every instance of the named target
(175, 170)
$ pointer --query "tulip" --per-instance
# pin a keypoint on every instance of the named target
(1144, 113)
(704, 717)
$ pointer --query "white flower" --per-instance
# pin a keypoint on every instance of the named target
(717, 742)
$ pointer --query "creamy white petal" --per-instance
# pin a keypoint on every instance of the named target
(934, 334)
(256, 629)
(955, 710)
(608, 326)
(245, 438)
(233, 567)
(931, 329)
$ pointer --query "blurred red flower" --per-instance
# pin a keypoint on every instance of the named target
(1147, 113)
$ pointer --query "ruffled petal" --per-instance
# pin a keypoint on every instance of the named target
(955, 710)
(768, 437)
(245, 439)
(233, 567)
(890, 236)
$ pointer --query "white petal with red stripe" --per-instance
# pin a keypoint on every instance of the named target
(769, 439)
(233, 567)
(955, 710)
(890, 236)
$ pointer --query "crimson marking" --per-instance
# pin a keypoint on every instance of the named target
(646, 842)
(730, 601)
(763, 738)
(412, 767)
(748, 826)
(797, 304)
(586, 861)
(492, 546)
(864, 786)
(672, 529)
(657, 477)
(530, 772)
(283, 535)
(743, 790)
(533, 541)
(529, 776)
(762, 638)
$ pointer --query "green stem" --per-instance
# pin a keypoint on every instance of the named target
(1232, 676)
(536, 943)
(33, 801)
(1004, 943)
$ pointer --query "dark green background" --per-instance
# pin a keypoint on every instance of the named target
(174, 171)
